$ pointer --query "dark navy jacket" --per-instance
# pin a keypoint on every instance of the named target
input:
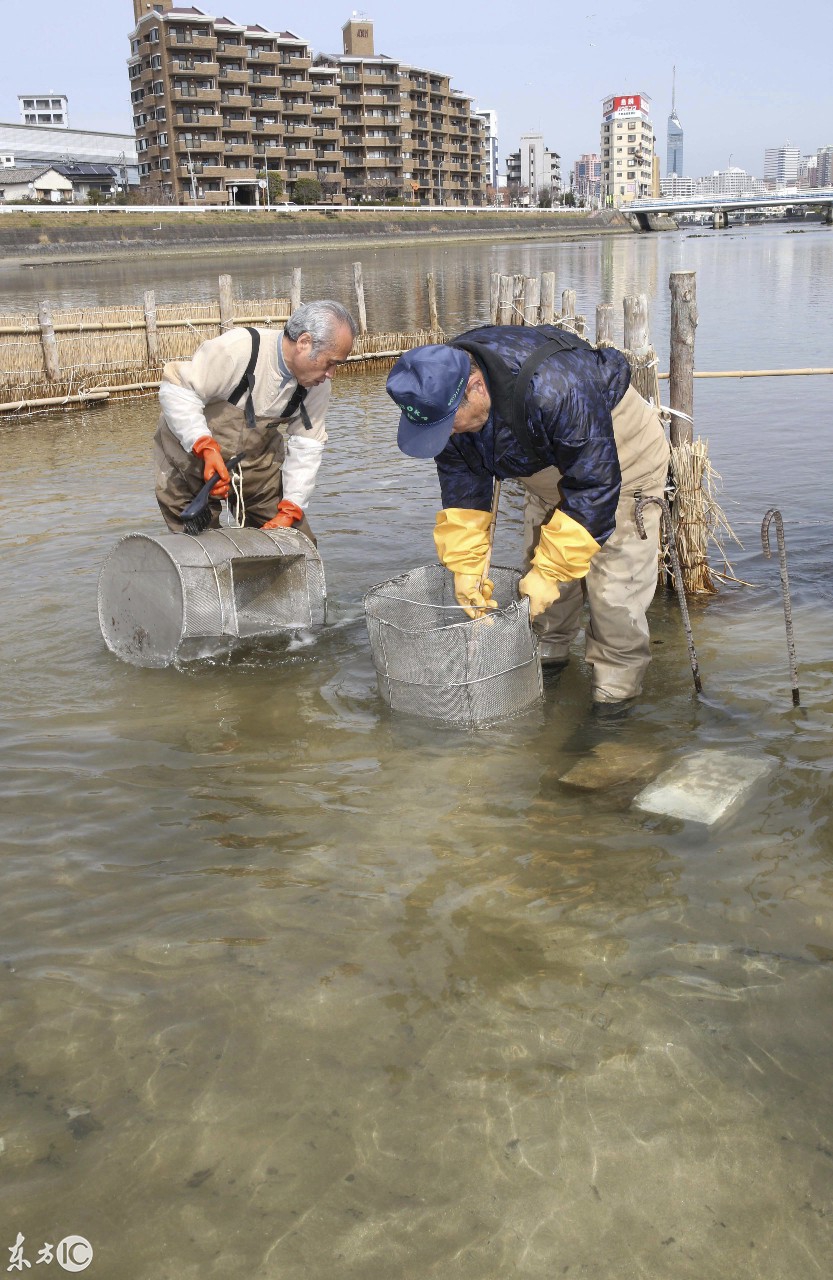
(568, 413)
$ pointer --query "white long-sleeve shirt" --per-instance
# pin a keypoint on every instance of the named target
(212, 374)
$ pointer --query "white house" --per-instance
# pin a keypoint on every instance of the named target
(43, 184)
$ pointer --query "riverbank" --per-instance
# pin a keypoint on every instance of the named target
(52, 236)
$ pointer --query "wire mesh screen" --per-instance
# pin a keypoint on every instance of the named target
(433, 661)
(160, 597)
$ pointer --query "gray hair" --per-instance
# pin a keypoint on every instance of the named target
(320, 320)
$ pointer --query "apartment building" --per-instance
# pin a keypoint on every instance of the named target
(627, 149)
(406, 132)
(219, 106)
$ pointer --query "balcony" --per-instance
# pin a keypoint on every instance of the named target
(299, 62)
(197, 148)
(293, 156)
(204, 121)
(301, 129)
(237, 126)
(238, 100)
(183, 65)
(238, 173)
(265, 102)
(296, 108)
(264, 80)
(384, 162)
(179, 40)
(231, 48)
(238, 148)
(190, 94)
(232, 75)
(293, 85)
(263, 130)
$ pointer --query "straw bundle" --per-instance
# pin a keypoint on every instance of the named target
(697, 517)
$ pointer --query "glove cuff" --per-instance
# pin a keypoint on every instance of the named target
(564, 550)
(286, 507)
(461, 537)
(205, 442)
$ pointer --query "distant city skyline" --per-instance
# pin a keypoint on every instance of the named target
(734, 108)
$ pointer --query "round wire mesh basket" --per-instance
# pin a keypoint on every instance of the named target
(432, 660)
(162, 597)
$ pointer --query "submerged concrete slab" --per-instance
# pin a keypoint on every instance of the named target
(612, 764)
(704, 786)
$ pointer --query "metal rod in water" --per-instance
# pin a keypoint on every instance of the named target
(678, 577)
(775, 514)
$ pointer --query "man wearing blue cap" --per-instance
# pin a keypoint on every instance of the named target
(545, 406)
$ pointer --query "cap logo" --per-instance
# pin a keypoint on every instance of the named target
(414, 415)
(456, 391)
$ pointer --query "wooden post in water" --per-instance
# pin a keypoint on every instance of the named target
(358, 280)
(636, 324)
(504, 310)
(568, 307)
(532, 300)
(295, 290)
(494, 296)
(49, 342)
(150, 327)
(226, 304)
(518, 286)
(683, 285)
(433, 319)
(547, 297)
(604, 323)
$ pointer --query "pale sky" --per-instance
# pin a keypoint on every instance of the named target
(750, 73)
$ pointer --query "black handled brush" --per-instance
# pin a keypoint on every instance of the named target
(197, 517)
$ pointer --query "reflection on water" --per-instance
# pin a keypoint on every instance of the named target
(295, 987)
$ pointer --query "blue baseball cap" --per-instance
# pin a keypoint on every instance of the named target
(428, 384)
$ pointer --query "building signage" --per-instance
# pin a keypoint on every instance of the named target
(631, 105)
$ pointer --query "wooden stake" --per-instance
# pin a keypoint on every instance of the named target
(636, 324)
(226, 304)
(433, 321)
(681, 367)
(494, 295)
(532, 300)
(358, 280)
(518, 286)
(568, 304)
(547, 297)
(604, 322)
(150, 327)
(504, 310)
(49, 343)
(295, 291)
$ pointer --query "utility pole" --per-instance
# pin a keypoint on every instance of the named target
(268, 192)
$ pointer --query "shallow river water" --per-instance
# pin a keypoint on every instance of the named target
(296, 988)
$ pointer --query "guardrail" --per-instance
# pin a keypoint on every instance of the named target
(393, 210)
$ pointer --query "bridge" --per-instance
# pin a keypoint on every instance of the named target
(721, 206)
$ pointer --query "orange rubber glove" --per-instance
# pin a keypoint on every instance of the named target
(208, 449)
(289, 513)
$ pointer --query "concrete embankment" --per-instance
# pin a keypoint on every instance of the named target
(53, 235)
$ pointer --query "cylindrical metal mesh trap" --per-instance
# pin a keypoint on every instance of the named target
(161, 597)
(431, 660)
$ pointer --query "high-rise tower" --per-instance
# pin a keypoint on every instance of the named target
(674, 157)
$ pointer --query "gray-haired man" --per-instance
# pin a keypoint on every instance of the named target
(232, 396)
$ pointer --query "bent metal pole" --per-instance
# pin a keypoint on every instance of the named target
(643, 501)
(775, 514)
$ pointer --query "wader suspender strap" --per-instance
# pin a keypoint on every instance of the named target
(247, 382)
(294, 404)
(513, 411)
(564, 342)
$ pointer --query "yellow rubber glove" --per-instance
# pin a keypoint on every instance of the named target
(563, 554)
(462, 539)
(541, 591)
(474, 596)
